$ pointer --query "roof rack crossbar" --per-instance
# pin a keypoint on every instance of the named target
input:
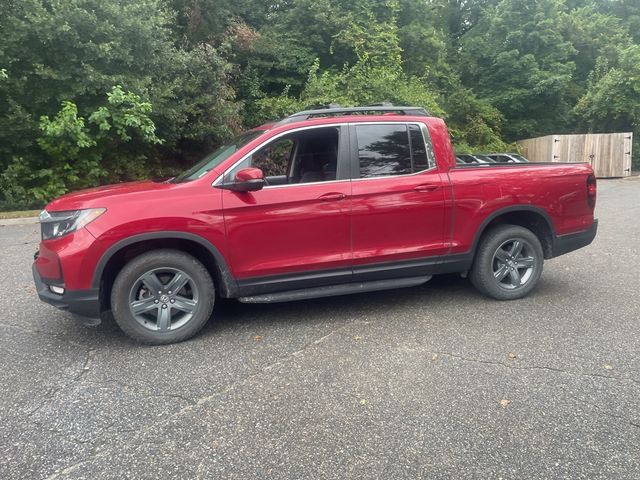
(306, 114)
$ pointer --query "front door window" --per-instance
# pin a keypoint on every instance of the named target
(307, 156)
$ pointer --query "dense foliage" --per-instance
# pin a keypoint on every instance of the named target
(96, 91)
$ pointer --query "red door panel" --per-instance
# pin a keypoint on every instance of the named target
(398, 218)
(285, 229)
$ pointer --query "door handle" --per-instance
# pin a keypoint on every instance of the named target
(333, 196)
(426, 188)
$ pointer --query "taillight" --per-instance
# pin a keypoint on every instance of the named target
(591, 191)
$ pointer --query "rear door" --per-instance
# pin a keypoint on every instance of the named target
(294, 233)
(398, 207)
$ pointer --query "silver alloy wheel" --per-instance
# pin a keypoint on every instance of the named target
(163, 299)
(513, 263)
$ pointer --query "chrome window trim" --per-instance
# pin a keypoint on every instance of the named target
(394, 176)
(422, 126)
(307, 183)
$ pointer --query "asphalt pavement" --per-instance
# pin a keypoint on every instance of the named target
(428, 382)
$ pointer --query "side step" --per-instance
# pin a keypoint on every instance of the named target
(336, 290)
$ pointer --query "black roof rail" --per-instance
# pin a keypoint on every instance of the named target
(322, 107)
(334, 110)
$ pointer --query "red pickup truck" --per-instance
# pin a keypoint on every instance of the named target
(324, 202)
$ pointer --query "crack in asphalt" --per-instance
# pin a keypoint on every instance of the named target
(85, 366)
(554, 370)
(534, 367)
(202, 400)
(50, 395)
(191, 403)
(137, 390)
(46, 399)
(605, 413)
(99, 441)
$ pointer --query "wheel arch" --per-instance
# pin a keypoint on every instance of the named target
(527, 216)
(121, 252)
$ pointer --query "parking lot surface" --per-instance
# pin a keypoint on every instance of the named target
(428, 382)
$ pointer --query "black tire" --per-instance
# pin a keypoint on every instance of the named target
(162, 316)
(495, 255)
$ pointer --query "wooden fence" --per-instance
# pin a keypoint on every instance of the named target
(608, 153)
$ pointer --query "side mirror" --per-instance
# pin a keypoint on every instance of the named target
(246, 180)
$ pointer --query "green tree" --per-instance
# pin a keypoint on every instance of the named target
(612, 100)
(80, 153)
(628, 11)
(516, 58)
(376, 75)
(77, 50)
(592, 35)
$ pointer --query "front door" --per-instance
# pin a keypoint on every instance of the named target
(294, 233)
(398, 207)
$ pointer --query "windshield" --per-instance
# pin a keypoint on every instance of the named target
(217, 157)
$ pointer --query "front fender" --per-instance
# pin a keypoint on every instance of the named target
(225, 273)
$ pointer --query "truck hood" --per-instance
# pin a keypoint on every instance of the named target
(100, 196)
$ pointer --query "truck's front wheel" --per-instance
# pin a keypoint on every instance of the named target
(163, 296)
(508, 262)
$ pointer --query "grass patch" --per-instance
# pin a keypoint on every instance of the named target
(19, 214)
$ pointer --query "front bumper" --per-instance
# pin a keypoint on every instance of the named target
(85, 303)
(568, 243)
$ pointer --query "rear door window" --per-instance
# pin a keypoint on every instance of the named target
(383, 150)
(392, 149)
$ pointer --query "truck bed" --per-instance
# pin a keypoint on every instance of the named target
(557, 191)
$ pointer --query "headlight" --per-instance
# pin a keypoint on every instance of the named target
(58, 224)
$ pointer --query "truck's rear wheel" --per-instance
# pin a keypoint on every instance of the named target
(163, 296)
(508, 262)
